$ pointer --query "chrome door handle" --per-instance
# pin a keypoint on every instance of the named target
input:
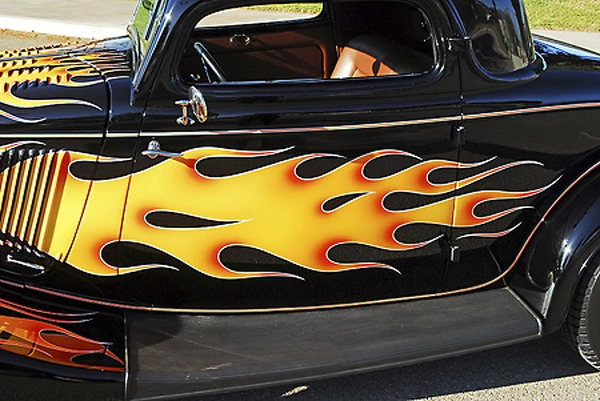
(154, 151)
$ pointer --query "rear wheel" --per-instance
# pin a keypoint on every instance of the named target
(582, 328)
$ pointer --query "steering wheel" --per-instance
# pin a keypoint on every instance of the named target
(210, 64)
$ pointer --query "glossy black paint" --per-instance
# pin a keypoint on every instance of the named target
(566, 145)
(502, 112)
(561, 141)
(559, 253)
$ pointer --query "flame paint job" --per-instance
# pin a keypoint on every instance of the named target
(67, 68)
(50, 343)
(249, 207)
(39, 337)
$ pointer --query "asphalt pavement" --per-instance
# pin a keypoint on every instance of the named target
(539, 370)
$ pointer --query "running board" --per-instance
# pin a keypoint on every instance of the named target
(194, 354)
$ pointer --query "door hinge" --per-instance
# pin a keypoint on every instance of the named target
(459, 134)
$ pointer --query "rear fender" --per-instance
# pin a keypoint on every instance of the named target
(567, 239)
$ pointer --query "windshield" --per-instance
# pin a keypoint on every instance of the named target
(144, 25)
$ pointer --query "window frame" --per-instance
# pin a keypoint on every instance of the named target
(437, 48)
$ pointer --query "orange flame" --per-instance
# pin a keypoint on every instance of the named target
(276, 211)
(271, 209)
(50, 343)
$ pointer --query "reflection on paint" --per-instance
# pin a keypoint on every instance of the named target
(49, 343)
(38, 337)
(23, 72)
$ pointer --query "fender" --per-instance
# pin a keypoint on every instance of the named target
(567, 240)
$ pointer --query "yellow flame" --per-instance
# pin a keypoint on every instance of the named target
(271, 209)
(274, 210)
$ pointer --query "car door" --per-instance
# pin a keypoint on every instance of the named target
(294, 193)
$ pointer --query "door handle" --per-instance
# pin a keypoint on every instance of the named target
(154, 151)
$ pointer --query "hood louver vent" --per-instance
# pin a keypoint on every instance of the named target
(26, 175)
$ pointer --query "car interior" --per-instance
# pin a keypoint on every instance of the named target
(347, 39)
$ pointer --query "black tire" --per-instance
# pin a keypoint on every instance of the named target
(582, 328)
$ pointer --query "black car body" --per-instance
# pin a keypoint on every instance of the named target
(204, 206)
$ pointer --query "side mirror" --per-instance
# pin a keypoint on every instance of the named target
(198, 105)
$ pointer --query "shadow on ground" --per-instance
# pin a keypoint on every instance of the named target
(534, 361)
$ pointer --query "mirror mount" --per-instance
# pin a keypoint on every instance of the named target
(199, 109)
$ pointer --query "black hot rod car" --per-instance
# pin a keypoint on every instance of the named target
(230, 197)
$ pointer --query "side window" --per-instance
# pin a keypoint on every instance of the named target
(341, 40)
(382, 38)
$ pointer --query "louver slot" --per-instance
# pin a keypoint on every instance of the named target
(9, 191)
(39, 200)
(26, 179)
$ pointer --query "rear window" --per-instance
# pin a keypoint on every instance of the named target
(499, 32)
